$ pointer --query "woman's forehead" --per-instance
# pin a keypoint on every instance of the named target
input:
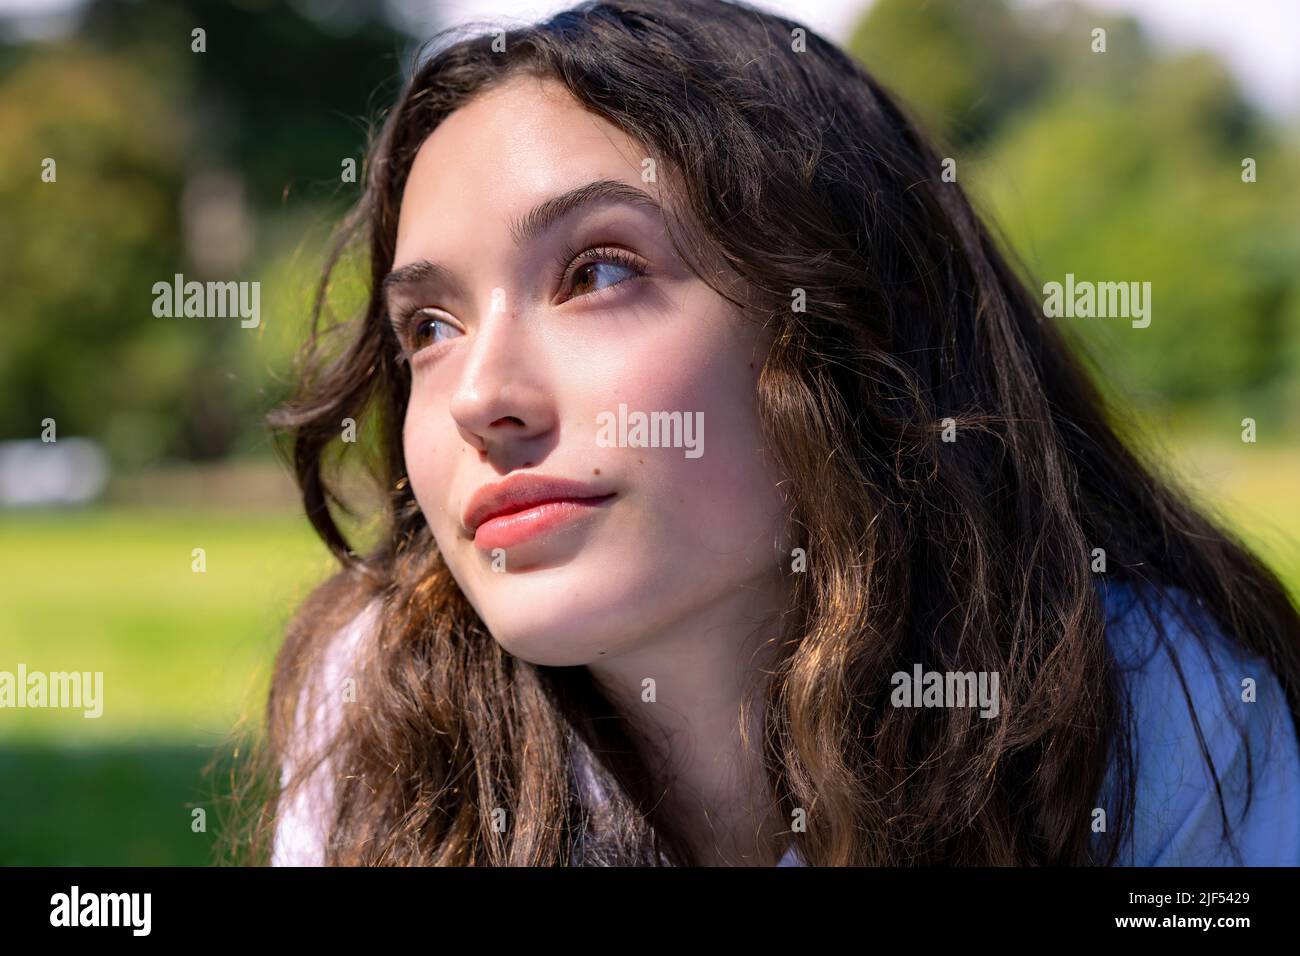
(499, 156)
(517, 128)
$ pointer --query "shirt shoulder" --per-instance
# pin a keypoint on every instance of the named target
(1245, 724)
(303, 820)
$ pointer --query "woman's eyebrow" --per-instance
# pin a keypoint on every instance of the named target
(545, 214)
(538, 219)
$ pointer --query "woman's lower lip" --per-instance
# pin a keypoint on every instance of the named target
(508, 530)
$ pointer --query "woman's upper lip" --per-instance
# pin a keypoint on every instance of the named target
(519, 492)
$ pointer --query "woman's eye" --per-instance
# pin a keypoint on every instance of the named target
(425, 329)
(587, 276)
(597, 269)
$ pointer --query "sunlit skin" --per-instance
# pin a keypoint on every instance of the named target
(677, 576)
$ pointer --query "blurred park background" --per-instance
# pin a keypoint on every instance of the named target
(227, 164)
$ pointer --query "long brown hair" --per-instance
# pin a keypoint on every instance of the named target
(801, 171)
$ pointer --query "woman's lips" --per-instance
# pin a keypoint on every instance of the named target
(516, 527)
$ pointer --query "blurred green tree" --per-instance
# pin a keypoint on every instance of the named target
(1117, 166)
(219, 165)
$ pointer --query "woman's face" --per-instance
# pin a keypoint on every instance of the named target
(540, 335)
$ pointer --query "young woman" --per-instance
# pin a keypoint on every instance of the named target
(745, 508)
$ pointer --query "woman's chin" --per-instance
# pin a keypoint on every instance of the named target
(559, 628)
(550, 646)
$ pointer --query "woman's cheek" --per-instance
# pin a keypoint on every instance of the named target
(426, 461)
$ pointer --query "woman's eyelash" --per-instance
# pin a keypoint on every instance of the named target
(571, 257)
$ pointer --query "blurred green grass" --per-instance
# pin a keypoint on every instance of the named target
(185, 655)
(1252, 490)
(114, 805)
(113, 590)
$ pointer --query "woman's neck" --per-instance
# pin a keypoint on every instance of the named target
(715, 787)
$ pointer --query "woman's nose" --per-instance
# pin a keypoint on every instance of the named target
(501, 399)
